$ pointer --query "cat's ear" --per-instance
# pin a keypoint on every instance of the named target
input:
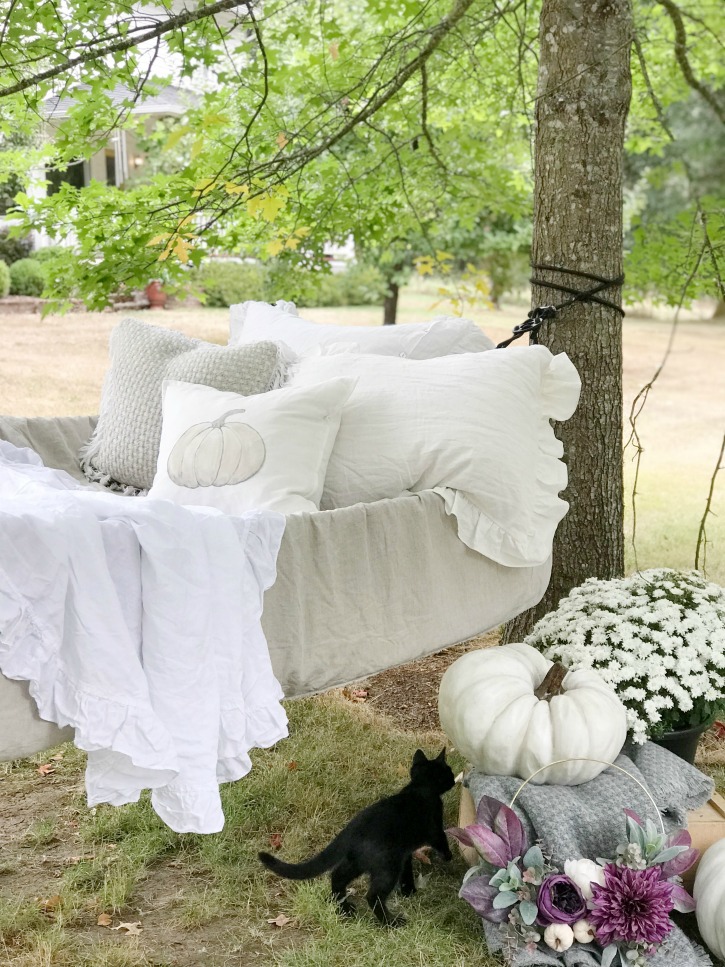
(441, 757)
(419, 757)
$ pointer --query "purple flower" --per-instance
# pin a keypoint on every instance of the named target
(560, 900)
(632, 907)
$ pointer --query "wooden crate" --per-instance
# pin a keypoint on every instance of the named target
(706, 826)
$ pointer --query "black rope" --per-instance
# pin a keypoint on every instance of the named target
(538, 316)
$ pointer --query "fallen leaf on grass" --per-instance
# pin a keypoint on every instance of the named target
(130, 928)
(58, 757)
(292, 765)
(49, 904)
(75, 860)
(355, 694)
(281, 920)
(719, 729)
(423, 854)
(46, 769)
(421, 880)
(275, 840)
(104, 920)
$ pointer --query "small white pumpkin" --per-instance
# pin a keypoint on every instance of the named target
(493, 708)
(709, 893)
(217, 454)
(559, 936)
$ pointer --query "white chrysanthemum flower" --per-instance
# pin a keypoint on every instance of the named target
(657, 637)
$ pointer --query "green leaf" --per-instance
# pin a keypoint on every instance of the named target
(504, 899)
(528, 911)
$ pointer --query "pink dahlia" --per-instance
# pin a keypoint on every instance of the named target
(633, 906)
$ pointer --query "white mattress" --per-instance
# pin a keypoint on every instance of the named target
(359, 589)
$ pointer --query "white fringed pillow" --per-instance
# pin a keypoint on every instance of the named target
(239, 453)
(252, 321)
(473, 427)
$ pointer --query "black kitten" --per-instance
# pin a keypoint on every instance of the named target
(381, 839)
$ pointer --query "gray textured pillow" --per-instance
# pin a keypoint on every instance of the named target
(125, 445)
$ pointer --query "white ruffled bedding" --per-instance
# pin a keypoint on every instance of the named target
(137, 622)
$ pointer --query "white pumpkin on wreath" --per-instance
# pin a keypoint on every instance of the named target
(216, 454)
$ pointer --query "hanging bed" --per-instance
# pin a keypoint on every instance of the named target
(295, 511)
(359, 589)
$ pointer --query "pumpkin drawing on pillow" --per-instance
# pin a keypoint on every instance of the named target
(216, 454)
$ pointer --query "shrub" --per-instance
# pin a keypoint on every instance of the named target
(225, 283)
(331, 291)
(27, 278)
(363, 285)
(51, 253)
(13, 249)
(4, 280)
(292, 282)
(359, 285)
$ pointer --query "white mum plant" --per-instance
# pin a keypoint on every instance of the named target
(657, 637)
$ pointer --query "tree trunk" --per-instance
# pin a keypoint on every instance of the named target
(584, 92)
(390, 306)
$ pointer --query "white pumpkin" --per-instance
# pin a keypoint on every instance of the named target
(709, 893)
(217, 454)
(490, 712)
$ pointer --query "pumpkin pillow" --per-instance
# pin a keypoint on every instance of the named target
(124, 447)
(251, 321)
(240, 453)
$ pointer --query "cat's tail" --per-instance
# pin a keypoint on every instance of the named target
(323, 861)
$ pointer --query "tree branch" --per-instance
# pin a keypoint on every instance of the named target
(173, 23)
(701, 537)
(675, 15)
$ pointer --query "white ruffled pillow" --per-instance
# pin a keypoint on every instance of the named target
(253, 321)
(239, 453)
(473, 427)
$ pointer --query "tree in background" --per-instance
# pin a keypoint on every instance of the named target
(378, 120)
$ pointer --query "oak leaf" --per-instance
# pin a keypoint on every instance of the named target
(50, 904)
(281, 920)
(130, 928)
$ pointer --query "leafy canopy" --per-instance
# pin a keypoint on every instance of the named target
(306, 122)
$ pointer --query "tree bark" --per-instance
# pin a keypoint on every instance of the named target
(390, 305)
(584, 91)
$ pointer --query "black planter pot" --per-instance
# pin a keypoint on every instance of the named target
(682, 742)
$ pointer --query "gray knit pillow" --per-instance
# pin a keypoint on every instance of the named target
(125, 445)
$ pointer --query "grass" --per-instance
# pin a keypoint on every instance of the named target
(206, 901)
(338, 758)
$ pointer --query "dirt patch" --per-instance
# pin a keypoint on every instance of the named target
(408, 695)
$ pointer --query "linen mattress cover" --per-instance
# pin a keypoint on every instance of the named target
(359, 589)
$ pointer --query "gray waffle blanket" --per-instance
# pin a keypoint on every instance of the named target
(588, 820)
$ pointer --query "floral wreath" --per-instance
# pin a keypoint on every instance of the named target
(620, 907)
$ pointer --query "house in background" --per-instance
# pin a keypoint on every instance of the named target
(113, 164)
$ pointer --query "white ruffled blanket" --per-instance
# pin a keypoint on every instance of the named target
(138, 622)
